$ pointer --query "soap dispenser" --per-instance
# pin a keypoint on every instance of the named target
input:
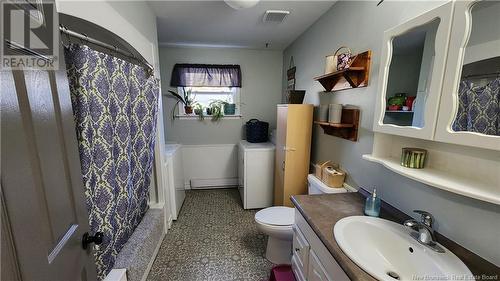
(372, 205)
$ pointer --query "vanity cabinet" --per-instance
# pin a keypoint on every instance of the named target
(311, 260)
(447, 61)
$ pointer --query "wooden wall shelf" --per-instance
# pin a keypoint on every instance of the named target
(355, 76)
(347, 129)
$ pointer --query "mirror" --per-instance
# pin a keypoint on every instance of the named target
(409, 75)
(478, 94)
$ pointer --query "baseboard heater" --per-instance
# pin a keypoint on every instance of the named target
(213, 183)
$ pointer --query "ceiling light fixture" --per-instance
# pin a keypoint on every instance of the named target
(241, 4)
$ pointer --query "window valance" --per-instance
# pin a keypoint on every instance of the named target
(206, 75)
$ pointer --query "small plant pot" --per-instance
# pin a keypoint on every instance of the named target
(230, 109)
(188, 109)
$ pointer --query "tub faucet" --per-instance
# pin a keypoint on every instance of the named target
(422, 230)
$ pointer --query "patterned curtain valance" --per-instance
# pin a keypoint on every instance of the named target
(206, 75)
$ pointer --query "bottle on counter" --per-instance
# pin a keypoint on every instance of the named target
(372, 205)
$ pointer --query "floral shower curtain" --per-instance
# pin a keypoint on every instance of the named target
(115, 109)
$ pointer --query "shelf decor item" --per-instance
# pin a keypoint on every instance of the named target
(413, 157)
(333, 176)
(295, 96)
(318, 169)
(334, 113)
(344, 57)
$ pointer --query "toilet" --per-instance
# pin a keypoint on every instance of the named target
(277, 222)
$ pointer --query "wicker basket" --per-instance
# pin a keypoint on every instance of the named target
(333, 176)
(318, 168)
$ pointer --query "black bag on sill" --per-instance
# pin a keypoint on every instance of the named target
(257, 131)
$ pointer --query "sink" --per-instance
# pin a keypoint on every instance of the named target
(386, 251)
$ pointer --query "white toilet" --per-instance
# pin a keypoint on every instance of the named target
(277, 222)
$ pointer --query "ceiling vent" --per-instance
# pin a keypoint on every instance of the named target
(275, 16)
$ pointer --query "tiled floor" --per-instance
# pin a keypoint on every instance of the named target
(213, 239)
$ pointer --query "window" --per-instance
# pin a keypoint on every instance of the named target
(205, 95)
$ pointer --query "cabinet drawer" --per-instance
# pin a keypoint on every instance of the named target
(316, 271)
(298, 270)
(300, 248)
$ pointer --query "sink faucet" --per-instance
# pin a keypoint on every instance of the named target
(422, 230)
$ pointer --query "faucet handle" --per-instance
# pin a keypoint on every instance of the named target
(425, 217)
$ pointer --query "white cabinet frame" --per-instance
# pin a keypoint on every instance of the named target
(444, 14)
(462, 22)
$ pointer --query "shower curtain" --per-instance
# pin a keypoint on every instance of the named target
(115, 108)
(478, 108)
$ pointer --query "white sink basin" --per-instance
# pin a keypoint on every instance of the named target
(386, 251)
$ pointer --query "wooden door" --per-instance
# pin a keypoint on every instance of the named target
(281, 127)
(297, 150)
(41, 181)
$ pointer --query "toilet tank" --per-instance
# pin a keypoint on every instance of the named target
(316, 186)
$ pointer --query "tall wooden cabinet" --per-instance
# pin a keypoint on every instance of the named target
(293, 149)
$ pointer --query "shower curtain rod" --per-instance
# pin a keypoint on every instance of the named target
(84, 37)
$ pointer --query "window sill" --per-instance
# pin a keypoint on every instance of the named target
(207, 117)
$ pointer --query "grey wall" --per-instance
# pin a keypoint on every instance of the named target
(260, 92)
(360, 25)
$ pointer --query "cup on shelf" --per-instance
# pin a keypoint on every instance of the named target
(323, 113)
(334, 113)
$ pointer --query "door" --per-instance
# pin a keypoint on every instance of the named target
(297, 150)
(41, 181)
(241, 174)
(468, 113)
(411, 74)
(281, 127)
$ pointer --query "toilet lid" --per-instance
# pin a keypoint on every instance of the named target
(279, 216)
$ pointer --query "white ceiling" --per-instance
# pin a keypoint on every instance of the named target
(214, 23)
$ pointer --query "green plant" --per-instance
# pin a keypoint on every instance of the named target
(187, 98)
(216, 107)
(198, 110)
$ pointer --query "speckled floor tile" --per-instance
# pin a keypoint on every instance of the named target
(213, 239)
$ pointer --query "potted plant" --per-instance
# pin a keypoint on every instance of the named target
(216, 110)
(187, 98)
(198, 110)
(229, 108)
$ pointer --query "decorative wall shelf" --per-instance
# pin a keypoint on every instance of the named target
(441, 179)
(448, 167)
(355, 76)
(347, 128)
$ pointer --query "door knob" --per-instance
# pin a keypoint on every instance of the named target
(89, 239)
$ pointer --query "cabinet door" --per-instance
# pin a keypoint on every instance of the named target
(281, 128)
(241, 174)
(469, 110)
(300, 251)
(316, 270)
(297, 150)
(411, 74)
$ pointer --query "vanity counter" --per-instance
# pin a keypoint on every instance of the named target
(322, 212)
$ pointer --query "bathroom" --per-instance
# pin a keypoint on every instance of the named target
(221, 196)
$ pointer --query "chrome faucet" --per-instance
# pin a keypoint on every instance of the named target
(422, 230)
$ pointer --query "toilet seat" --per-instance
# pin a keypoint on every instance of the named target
(278, 216)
